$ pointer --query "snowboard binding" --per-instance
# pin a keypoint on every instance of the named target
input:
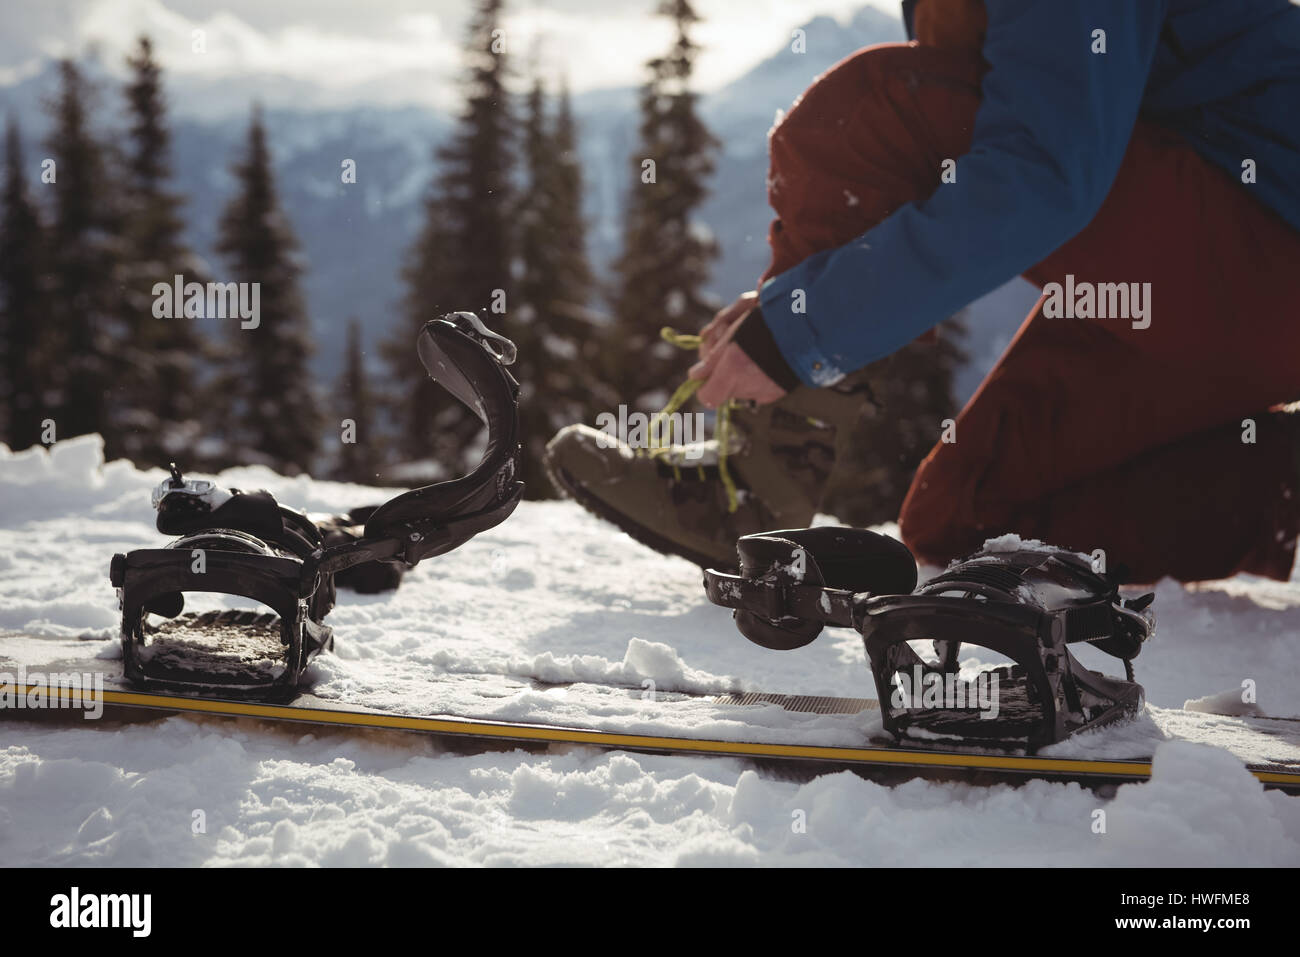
(245, 543)
(1026, 606)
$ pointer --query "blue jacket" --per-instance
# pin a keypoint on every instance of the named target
(1048, 141)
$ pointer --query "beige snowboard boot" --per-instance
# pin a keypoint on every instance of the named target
(695, 500)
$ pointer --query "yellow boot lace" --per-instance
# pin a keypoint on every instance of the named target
(684, 393)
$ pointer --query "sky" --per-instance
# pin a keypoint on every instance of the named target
(388, 51)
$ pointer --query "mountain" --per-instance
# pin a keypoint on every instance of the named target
(355, 236)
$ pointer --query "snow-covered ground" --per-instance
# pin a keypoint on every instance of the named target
(555, 594)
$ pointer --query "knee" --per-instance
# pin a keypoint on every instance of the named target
(950, 24)
(839, 92)
(955, 502)
(888, 107)
(929, 522)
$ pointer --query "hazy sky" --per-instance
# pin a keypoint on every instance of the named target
(386, 50)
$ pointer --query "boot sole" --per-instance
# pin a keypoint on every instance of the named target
(664, 546)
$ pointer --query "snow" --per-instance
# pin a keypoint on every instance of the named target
(554, 595)
(1011, 542)
(276, 796)
(1232, 701)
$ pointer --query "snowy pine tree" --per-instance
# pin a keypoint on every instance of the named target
(551, 322)
(163, 354)
(666, 254)
(271, 412)
(360, 447)
(461, 259)
(24, 361)
(90, 381)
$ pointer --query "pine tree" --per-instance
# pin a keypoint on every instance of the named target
(478, 169)
(271, 409)
(86, 305)
(356, 402)
(462, 258)
(164, 353)
(22, 303)
(551, 324)
(429, 424)
(572, 277)
(666, 255)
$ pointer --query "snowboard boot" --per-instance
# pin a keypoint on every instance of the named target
(766, 468)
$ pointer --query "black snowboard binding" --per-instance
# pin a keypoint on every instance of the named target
(245, 543)
(1026, 606)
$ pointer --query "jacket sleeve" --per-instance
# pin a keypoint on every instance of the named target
(1049, 138)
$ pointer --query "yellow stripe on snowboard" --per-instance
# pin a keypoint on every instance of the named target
(640, 742)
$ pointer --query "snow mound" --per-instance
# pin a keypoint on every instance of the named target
(1202, 807)
(252, 795)
(74, 463)
(1011, 542)
(1225, 702)
(643, 662)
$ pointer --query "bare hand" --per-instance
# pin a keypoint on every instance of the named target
(723, 320)
(730, 374)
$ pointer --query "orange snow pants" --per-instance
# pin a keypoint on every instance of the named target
(1088, 434)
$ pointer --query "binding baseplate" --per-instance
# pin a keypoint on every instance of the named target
(245, 543)
(1018, 610)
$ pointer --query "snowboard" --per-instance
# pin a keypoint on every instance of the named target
(802, 735)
